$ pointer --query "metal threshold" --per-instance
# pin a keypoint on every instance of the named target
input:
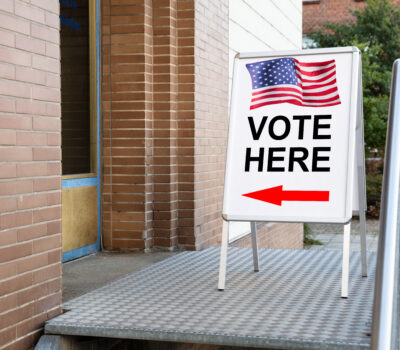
(292, 303)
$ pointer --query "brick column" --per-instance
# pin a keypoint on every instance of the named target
(165, 188)
(127, 123)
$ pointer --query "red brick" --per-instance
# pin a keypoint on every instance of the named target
(8, 302)
(53, 80)
(7, 171)
(8, 270)
(15, 89)
(34, 76)
(31, 324)
(15, 187)
(15, 122)
(47, 243)
(47, 184)
(47, 273)
(33, 169)
(31, 139)
(54, 168)
(8, 237)
(47, 214)
(8, 137)
(7, 71)
(7, 6)
(29, 12)
(53, 110)
(8, 335)
(46, 154)
(29, 44)
(48, 302)
(46, 94)
(32, 201)
(32, 232)
(7, 38)
(15, 25)
(54, 227)
(48, 5)
(45, 33)
(54, 139)
(16, 316)
(47, 124)
(44, 63)
(53, 20)
(15, 284)
(55, 256)
(27, 342)
(32, 263)
(8, 204)
(15, 220)
(15, 154)
(53, 50)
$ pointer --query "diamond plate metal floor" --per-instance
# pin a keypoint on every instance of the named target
(292, 303)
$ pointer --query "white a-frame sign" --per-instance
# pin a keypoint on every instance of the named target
(296, 144)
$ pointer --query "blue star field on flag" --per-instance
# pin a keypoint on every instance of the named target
(273, 72)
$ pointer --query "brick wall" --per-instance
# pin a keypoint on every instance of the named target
(320, 12)
(165, 116)
(274, 235)
(323, 11)
(30, 182)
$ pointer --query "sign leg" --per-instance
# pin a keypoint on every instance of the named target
(363, 241)
(223, 256)
(346, 260)
(362, 195)
(255, 245)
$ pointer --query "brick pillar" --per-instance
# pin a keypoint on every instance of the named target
(186, 123)
(30, 170)
(165, 188)
(127, 123)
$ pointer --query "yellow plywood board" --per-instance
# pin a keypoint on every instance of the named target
(79, 217)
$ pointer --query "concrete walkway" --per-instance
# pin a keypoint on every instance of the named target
(94, 271)
(331, 235)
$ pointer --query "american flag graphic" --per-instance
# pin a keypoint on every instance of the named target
(310, 84)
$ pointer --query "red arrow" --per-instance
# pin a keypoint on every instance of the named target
(275, 195)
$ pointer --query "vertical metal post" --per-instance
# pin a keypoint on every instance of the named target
(346, 260)
(362, 194)
(385, 318)
(363, 242)
(254, 244)
(223, 256)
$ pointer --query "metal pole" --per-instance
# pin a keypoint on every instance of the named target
(254, 244)
(362, 195)
(223, 256)
(385, 321)
(346, 260)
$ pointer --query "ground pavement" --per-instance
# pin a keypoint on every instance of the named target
(331, 235)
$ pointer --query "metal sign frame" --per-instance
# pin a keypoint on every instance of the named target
(355, 166)
(353, 109)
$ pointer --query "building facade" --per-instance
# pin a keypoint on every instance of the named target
(113, 125)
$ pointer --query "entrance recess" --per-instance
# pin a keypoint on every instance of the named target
(80, 109)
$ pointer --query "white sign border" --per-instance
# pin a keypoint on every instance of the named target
(354, 100)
